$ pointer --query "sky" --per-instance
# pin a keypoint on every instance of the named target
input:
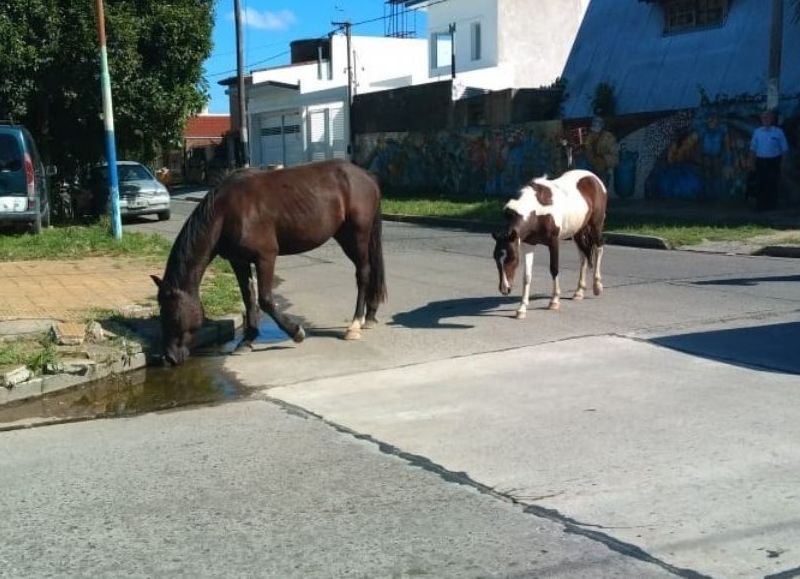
(269, 27)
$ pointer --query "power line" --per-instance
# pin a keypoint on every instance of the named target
(323, 36)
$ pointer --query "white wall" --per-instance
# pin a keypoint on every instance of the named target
(463, 13)
(378, 64)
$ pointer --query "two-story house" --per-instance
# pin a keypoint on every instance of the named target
(499, 44)
(298, 112)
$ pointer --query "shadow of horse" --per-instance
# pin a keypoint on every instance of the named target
(431, 315)
(749, 281)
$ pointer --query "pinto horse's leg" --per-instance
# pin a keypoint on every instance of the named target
(522, 310)
(555, 301)
(598, 278)
(355, 244)
(246, 282)
(578, 295)
(265, 270)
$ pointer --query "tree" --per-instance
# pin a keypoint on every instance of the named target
(51, 74)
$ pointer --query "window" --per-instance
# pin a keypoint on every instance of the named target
(683, 15)
(475, 40)
(441, 49)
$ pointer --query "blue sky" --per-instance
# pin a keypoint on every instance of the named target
(269, 27)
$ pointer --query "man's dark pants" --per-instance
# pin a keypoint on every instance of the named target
(768, 172)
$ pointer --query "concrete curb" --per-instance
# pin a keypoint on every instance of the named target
(780, 251)
(216, 331)
(635, 240)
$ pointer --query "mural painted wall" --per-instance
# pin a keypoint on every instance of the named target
(700, 154)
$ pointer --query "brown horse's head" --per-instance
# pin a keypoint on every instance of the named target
(506, 256)
(181, 318)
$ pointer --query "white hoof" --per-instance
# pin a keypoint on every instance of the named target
(300, 335)
(370, 323)
(554, 305)
(521, 314)
(352, 334)
(578, 295)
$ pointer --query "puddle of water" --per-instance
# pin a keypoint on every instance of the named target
(199, 381)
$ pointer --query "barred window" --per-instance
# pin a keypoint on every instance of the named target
(685, 15)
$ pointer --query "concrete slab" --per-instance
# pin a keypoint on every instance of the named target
(692, 460)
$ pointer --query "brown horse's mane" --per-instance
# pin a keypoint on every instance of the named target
(193, 232)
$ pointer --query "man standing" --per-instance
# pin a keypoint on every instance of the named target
(767, 148)
(601, 151)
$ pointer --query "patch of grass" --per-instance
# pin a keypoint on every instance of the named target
(677, 232)
(689, 234)
(220, 291)
(75, 242)
(477, 209)
(35, 354)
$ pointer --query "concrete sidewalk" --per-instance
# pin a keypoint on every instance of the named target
(70, 290)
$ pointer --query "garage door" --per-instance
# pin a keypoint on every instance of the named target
(281, 139)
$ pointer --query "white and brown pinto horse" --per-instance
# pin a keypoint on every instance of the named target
(545, 212)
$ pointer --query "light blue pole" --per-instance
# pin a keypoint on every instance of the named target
(108, 121)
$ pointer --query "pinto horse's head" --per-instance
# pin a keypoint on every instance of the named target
(181, 318)
(506, 256)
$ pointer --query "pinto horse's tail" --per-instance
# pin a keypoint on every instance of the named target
(376, 289)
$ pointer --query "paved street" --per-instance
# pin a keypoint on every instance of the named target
(649, 432)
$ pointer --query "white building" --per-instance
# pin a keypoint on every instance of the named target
(298, 112)
(500, 44)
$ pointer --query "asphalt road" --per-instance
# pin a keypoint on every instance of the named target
(649, 432)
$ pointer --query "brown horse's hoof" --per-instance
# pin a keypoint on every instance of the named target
(299, 335)
(598, 289)
(352, 334)
(370, 323)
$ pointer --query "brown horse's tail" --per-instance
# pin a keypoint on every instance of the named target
(376, 290)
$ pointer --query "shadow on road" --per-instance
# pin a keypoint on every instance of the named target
(430, 316)
(749, 280)
(771, 348)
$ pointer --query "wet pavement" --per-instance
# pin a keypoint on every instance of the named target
(202, 380)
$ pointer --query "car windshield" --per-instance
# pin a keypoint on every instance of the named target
(10, 154)
(124, 173)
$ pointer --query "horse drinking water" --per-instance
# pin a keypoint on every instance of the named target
(545, 212)
(252, 217)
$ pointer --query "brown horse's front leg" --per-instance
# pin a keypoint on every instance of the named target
(359, 316)
(555, 301)
(265, 270)
(247, 285)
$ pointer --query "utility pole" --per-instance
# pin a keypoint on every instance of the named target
(452, 50)
(346, 25)
(108, 122)
(775, 45)
(242, 109)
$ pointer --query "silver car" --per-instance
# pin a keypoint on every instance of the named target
(140, 193)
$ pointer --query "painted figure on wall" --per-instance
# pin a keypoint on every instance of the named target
(713, 140)
(601, 151)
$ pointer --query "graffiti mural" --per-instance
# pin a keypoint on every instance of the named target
(476, 162)
(700, 155)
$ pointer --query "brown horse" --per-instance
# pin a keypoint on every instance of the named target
(545, 212)
(254, 216)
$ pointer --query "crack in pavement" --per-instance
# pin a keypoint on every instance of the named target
(461, 478)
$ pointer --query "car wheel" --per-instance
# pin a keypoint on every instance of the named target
(164, 215)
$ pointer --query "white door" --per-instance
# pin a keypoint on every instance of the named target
(318, 134)
(339, 142)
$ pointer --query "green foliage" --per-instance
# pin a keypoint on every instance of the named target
(604, 102)
(50, 77)
(79, 241)
(34, 354)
